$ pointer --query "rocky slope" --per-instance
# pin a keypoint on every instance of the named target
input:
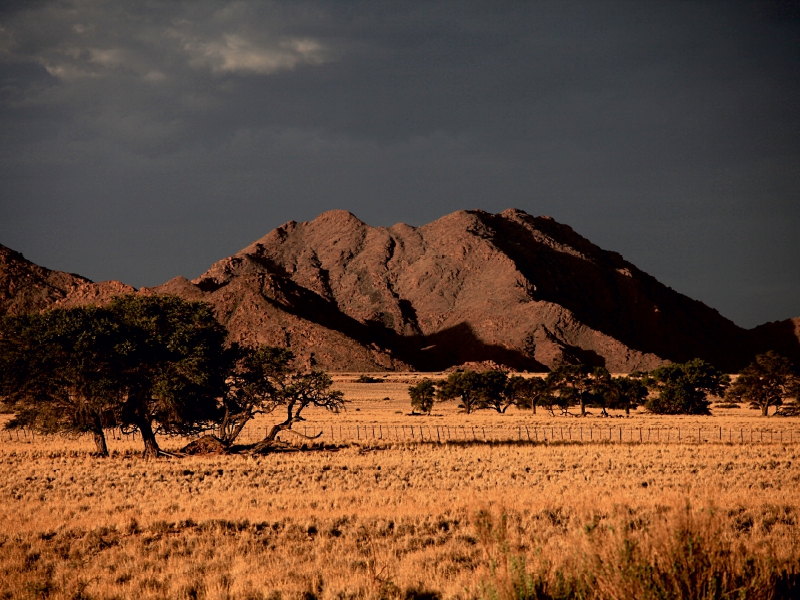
(522, 291)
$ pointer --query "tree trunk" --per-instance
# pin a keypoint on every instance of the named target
(151, 449)
(583, 407)
(99, 437)
(269, 440)
(765, 410)
(100, 443)
(276, 429)
(627, 409)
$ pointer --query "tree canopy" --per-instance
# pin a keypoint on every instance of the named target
(172, 366)
(464, 386)
(422, 396)
(151, 363)
(528, 392)
(683, 388)
(768, 381)
(58, 371)
(577, 384)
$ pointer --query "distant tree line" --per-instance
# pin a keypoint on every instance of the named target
(672, 389)
(152, 364)
(160, 365)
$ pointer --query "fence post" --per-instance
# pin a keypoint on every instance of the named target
(528, 433)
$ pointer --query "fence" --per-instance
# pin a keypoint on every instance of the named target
(349, 433)
(524, 433)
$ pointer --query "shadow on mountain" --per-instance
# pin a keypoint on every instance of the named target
(573, 355)
(610, 295)
(780, 336)
(450, 347)
(457, 345)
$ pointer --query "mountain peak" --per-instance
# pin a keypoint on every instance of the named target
(522, 291)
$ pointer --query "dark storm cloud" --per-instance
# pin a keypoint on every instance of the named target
(141, 142)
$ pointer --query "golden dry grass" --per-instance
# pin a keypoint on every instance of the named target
(400, 519)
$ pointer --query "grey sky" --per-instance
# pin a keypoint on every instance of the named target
(143, 142)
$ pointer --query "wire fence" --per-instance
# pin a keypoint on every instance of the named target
(355, 433)
(526, 433)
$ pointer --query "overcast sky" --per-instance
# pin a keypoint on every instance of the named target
(140, 141)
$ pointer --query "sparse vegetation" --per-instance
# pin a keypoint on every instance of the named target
(422, 395)
(378, 516)
(683, 389)
(768, 381)
(59, 372)
(263, 380)
(395, 520)
(148, 364)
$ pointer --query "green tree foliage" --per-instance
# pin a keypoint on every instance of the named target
(768, 381)
(422, 396)
(578, 385)
(172, 366)
(464, 386)
(58, 371)
(528, 392)
(493, 391)
(294, 391)
(477, 391)
(626, 392)
(253, 386)
(683, 389)
(155, 364)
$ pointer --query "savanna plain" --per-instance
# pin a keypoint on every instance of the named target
(541, 506)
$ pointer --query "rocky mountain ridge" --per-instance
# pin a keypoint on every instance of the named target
(522, 291)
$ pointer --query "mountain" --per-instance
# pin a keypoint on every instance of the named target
(512, 289)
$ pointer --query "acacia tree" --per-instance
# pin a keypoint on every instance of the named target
(494, 391)
(684, 388)
(626, 392)
(768, 381)
(172, 366)
(294, 392)
(528, 392)
(422, 396)
(578, 384)
(252, 386)
(58, 371)
(464, 385)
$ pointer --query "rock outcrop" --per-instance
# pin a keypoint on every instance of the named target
(509, 288)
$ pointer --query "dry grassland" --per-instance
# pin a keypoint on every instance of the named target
(387, 518)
